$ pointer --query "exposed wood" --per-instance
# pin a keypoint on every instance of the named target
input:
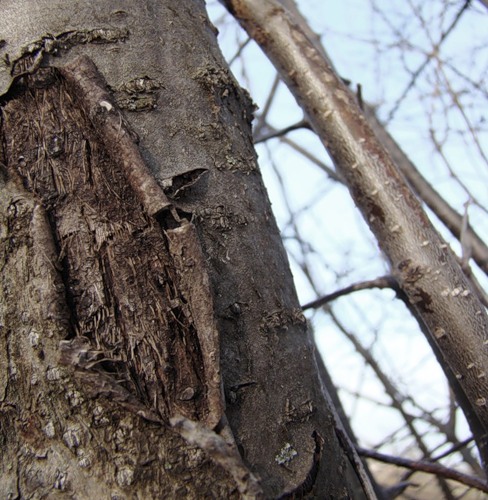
(138, 249)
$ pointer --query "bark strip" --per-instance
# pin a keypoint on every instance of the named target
(118, 138)
(194, 287)
(142, 329)
(221, 453)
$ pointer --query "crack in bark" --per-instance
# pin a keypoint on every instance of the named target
(143, 325)
(33, 55)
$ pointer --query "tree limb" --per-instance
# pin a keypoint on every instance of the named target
(423, 264)
(424, 190)
(381, 282)
(449, 217)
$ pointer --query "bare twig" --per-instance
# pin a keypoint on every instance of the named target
(427, 60)
(397, 399)
(282, 132)
(312, 158)
(429, 467)
(261, 121)
(382, 282)
(464, 240)
(241, 48)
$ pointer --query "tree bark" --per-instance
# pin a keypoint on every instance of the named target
(152, 344)
(424, 266)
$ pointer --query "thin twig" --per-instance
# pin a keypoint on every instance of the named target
(381, 283)
(278, 133)
(242, 46)
(464, 240)
(261, 119)
(429, 467)
(427, 60)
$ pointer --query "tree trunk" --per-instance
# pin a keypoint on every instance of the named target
(152, 344)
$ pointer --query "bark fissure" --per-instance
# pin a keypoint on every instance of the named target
(117, 258)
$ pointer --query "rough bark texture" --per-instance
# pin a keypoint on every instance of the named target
(128, 172)
(423, 264)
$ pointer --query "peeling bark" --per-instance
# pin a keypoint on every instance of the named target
(138, 326)
(144, 281)
(115, 259)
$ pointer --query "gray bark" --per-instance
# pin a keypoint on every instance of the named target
(151, 341)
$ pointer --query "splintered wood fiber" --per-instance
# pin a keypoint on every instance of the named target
(120, 281)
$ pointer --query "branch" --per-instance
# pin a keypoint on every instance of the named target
(427, 60)
(279, 133)
(382, 282)
(454, 448)
(242, 46)
(424, 266)
(424, 190)
(261, 119)
(429, 467)
(453, 221)
(330, 172)
(397, 399)
(449, 217)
